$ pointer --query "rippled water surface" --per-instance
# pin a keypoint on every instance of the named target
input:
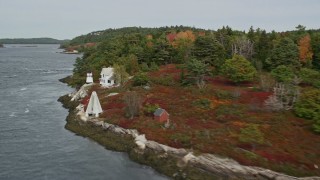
(33, 141)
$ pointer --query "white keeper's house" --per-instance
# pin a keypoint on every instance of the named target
(107, 77)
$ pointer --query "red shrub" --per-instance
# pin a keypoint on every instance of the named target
(126, 123)
(155, 101)
(278, 157)
(192, 122)
(113, 105)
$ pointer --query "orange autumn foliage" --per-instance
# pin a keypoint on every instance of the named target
(305, 52)
(186, 35)
(184, 38)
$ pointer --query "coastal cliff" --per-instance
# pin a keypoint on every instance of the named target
(176, 163)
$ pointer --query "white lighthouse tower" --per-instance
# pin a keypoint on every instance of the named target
(89, 79)
(94, 106)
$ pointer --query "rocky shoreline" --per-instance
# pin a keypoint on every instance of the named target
(172, 162)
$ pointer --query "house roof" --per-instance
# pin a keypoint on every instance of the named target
(159, 111)
(107, 71)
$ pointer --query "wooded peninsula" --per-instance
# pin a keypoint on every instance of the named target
(253, 96)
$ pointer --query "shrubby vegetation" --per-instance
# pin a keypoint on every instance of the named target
(140, 79)
(310, 76)
(165, 80)
(202, 103)
(309, 107)
(251, 134)
(151, 108)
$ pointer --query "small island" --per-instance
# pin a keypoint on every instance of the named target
(1, 46)
(198, 104)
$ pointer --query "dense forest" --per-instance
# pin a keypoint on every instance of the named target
(252, 90)
(32, 41)
(297, 50)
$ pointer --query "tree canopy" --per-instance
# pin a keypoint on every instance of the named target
(209, 50)
(136, 48)
(286, 53)
(238, 69)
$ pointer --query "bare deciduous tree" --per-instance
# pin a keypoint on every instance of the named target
(133, 102)
(243, 46)
(283, 98)
(200, 82)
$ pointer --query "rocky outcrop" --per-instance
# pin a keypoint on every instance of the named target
(141, 141)
(223, 167)
(83, 92)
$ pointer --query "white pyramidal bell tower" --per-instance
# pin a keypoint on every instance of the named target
(89, 79)
(94, 107)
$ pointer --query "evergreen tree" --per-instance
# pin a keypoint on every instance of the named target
(197, 69)
(283, 74)
(225, 37)
(251, 34)
(161, 53)
(262, 48)
(238, 69)
(286, 53)
(209, 50)
(315, 44)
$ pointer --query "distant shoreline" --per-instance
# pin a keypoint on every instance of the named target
(32, 41)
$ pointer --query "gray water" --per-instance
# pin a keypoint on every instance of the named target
(33, 141)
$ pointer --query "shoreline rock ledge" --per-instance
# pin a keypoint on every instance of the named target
(218, 167)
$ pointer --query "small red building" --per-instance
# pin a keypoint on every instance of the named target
(161, 115)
